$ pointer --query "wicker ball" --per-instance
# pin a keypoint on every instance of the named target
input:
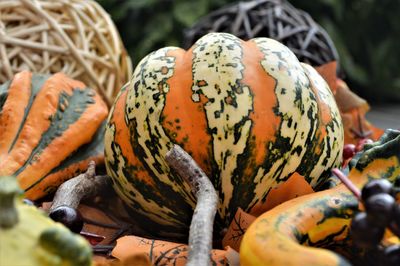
(71, 36)
(276, 19)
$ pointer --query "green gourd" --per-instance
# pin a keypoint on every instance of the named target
(29, 237)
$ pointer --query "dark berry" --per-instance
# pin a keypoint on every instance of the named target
(395, 224)
(69, 217)
(364, 233)
(380, 208)
(392, 255)
(373, 257)
(348, 151)
(376, 186)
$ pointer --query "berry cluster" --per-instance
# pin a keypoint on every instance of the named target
(381, 212)
(349, 150)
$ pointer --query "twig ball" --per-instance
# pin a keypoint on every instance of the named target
(75, 37)
(276, 19)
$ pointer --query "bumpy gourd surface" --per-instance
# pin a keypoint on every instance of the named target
(36, 240)
(248, 112)
(45, 122)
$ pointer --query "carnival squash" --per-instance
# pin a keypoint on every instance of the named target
(249, 113)
(50, 127)
(300, 231)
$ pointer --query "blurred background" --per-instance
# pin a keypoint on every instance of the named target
(366, 34)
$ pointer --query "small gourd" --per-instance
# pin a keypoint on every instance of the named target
(29, 237)
(51, 126)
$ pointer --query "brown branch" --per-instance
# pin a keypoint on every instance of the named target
(83, 186)
(201, 227)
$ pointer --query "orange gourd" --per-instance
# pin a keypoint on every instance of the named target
(50, 127)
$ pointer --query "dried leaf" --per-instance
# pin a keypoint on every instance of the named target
(294, 187)
(101, 223)
(159, 252)
(328, 72)
(139, 259)
(348, 100)
(232, 257)
(352, 110)
(105, 261)
(237, 228)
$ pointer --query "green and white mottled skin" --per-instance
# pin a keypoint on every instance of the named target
(249, 113)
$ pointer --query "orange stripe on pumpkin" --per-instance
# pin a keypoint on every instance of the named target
(123, 137)
(265, 122)
(324, 113)
(184, 118)
(12, 113)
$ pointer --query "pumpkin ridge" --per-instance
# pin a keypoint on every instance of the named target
(218, 68)
(280, 163)
(260, 129)
(147, 124)
(58, 126)
(147, 146)
(37, 81)
(81, 111)
(188, 128)
(118, 125)
(170, 199)
(75, 162)
(36, 122)
(328, 125)
(46, 120)
(16, 95)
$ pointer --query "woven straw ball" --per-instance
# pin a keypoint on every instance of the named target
(276, 19)
(71, 36)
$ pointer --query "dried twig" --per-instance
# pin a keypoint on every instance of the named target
(201, 227)
(85, 185)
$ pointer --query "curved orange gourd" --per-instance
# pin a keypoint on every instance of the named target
(50, 127)
(298, 231)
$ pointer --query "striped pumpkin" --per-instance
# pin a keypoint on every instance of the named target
(50, 127)
(249, 113)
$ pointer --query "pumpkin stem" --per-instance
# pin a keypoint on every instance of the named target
(201, 227)
(83, 186)
(9, 190)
